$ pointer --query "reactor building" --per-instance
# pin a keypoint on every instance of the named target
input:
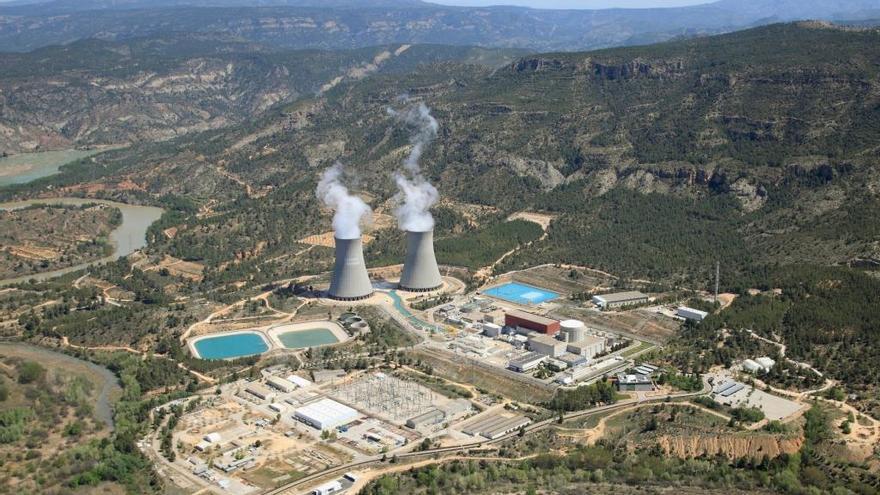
(350, 281)
(420, 272)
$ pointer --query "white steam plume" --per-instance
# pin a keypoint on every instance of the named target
(416, 195)
(349, 210)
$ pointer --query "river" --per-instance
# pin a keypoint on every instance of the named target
(23, 168)
(130, 236)
(105, 381)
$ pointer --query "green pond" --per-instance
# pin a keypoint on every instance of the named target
(300, 339)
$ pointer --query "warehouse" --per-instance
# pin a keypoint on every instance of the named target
(546, 345)
(495, 425)
(526, 362)
(260, 391)
(432, 417)
(619, 299)
(299, 381)
(520, 319)
(634, 383)
(325, 414)
(589, 347)
(691, 313)
(281, 384)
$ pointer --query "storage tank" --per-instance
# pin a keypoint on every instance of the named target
(420, 272)
(573, 330)
(350, 281)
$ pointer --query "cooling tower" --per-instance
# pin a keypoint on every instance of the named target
(350, 281)
(420, 272)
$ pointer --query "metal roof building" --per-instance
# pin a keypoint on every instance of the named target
(526, 362)
(326, 414)
(420, 272)
(691, 313)
(495, 425)
(619, 299)
(259, 390)
(428, 418)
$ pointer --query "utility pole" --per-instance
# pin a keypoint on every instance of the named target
(717, 279)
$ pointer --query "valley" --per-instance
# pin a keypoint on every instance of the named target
(312, 265)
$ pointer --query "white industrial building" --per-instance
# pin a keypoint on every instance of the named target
(328, 488)
(766, 363)
(546, 345)
(588, 347)
(691, 313)
(281, 384)
(299, 381)
(751, 366)
(325, 414)
(619, 299)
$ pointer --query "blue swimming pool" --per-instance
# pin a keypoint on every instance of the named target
(231, 346)
(521, 293)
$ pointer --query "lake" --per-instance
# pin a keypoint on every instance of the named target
(130, 236)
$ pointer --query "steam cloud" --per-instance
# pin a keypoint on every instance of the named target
(416, 195)
(349, 210)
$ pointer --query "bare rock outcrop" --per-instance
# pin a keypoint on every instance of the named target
(733, 446)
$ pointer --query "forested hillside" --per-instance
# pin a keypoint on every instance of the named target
(752, 148)
(147, 89)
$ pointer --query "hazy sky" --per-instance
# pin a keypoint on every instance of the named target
(575, 4)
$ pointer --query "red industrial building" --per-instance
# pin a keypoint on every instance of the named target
(538, 323)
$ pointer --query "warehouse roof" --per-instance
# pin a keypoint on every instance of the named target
(621, 296)
(328, 412)
(542, 320)
(527, 358)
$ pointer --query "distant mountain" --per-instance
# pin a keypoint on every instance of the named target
(352, 24)
(56, 6)
(152, 89)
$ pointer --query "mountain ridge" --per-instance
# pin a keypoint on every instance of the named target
(27, 26)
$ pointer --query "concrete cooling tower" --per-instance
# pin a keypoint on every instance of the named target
(350, 281)
(420, 272)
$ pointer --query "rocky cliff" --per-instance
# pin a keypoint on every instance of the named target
(732, 446)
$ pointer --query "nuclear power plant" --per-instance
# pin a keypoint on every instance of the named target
(350, 281)
(420, 272)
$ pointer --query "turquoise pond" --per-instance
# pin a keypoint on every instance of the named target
(521, 293)
(231, 346)
(300, 339)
